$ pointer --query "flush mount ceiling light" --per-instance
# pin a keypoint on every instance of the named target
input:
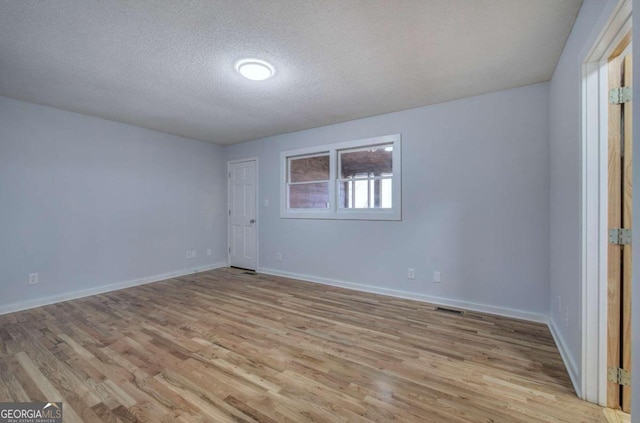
(255, 69)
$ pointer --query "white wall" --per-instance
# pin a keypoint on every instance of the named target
(565, 93)
(475, 205)
(87, 203)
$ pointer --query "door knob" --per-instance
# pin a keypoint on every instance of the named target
(252, 221)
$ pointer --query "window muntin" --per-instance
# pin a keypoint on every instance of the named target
(350, 180)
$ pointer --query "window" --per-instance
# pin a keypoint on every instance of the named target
(365, 177)
(351, 180)
(308, 181)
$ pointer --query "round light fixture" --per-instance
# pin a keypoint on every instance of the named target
(255, 69)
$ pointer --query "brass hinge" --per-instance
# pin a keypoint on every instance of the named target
(620, 376)
(620, 236)
(620, 95)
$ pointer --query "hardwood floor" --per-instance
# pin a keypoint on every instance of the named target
(224, 346)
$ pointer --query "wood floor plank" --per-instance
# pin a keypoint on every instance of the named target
(223, 346)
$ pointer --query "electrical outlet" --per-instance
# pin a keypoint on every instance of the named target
(411, 273)
(33, 278)
(436, 277)
(279, 256)
(208, 251)
(266, 203)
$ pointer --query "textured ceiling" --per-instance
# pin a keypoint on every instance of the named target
(168, 65)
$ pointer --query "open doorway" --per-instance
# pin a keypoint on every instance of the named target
(606, 219)
(619, 216)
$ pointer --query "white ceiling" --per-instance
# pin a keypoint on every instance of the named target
(168, 65)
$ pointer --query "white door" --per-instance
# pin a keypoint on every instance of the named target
(242, 215)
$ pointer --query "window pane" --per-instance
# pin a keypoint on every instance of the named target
(365, 193)
(306, 169)
(309, 196)
(385, 201)
(367, 162)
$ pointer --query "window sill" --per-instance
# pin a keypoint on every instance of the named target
(344, 215)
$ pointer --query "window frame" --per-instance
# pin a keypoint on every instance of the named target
(288, 182)
(334, 212)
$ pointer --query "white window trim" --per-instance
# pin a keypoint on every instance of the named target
(333, 211)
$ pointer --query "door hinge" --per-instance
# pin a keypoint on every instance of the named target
(620, 376)
(229, 249)
(620, 95)
(229, 175)
(620, 236)
(229, 212)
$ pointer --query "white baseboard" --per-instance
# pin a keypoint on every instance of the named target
(38, 302)
(483, 308)
(569, 363)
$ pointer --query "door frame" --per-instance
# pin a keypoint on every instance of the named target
(593, 384)
(229, 163)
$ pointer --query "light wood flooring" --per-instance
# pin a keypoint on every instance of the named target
(224, 346)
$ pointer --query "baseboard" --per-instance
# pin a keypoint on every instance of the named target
(38, 302)
(569, 363)
(483, 308)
